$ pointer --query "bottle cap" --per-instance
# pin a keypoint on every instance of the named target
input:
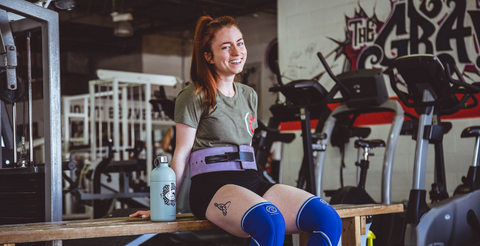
(160, 159)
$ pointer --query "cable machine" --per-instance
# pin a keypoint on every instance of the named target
(29, 17)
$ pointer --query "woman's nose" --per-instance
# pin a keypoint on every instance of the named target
(235, 50)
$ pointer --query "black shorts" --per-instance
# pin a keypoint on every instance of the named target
(204, 186)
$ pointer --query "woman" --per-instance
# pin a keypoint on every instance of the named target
(215, 116)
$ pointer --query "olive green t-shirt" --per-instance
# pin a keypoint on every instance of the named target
(231, 121)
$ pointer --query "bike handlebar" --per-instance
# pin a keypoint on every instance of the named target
(467, 91)
(461, 82)
(338, 85)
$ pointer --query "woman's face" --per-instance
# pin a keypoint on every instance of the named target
(228, 52)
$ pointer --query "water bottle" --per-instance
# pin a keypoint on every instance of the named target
(162, 191)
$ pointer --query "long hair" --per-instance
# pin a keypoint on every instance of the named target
(202, 73)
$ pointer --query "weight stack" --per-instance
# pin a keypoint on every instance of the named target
(22, 195)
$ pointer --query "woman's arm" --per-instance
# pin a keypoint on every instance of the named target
(167, 139)
(185, 135)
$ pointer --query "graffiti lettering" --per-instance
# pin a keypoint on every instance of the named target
(438, 27)
(363, 32)
(475, 16)
(397, 22)
(446, 32)
(417, 22)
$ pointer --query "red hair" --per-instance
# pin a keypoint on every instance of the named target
(202, 73)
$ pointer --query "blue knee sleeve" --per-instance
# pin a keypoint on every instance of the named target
(265, 224)
(316, 216)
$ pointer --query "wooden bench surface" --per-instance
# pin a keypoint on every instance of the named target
(125, 226)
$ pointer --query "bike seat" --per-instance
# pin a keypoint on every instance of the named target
(472, 131)
(362, 143)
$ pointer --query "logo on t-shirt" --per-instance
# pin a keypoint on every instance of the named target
(249, 120)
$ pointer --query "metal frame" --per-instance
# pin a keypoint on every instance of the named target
(388, 158)
(67, 115)
(119, 82)
(421, 147)
(47, 20)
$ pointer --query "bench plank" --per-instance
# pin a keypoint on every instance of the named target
(125, 226)
(346, 211)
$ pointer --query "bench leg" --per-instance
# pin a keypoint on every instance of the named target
(352, 229)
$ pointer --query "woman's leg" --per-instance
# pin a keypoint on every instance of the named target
(306, 212)
(243, 213)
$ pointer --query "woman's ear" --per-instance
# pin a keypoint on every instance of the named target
(208, 57)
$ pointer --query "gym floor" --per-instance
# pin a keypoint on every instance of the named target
(171, 240)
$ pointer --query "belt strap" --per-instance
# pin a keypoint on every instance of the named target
(228, 158)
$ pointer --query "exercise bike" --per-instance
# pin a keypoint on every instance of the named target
(368, 95)
(433, 92)
(304, 99)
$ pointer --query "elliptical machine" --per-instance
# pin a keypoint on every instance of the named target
(433, 92)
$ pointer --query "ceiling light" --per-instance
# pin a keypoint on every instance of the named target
(123, 29)
(122, 26)
(65, 4)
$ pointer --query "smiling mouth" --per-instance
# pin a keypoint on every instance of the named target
(236, 62)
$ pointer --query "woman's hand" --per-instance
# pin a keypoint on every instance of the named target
(143, 214)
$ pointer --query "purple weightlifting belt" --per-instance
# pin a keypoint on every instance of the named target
(229, 158)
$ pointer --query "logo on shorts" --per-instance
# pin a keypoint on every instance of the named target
(271, 209)
(249, 119)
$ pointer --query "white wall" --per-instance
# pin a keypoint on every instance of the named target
(164, 55)
(309, 26)
(259, 31)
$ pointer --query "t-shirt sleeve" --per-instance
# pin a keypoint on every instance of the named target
(188, 108)
(254, 102)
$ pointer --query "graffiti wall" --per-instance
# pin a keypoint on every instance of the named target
(448, 29)
(371, 34)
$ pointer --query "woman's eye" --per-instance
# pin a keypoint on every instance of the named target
(240, 44)
(225, 47)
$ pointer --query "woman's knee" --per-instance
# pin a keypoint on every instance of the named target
(318, 217)
(265, 224)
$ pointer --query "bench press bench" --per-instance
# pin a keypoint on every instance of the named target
(353, 218)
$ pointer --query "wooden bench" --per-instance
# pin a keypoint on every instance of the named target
(353, 217)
